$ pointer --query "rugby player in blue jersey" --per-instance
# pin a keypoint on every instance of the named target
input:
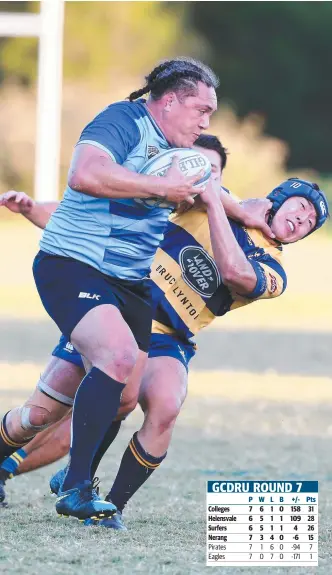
(58, 383)
(184, 308)
(97, 249)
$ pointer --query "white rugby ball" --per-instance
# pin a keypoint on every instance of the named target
(191, 162)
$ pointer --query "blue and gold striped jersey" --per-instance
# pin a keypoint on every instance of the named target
(188, 291)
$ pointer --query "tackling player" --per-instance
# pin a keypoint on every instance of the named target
(191, 289)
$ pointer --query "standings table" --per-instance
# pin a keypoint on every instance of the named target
(262, 523)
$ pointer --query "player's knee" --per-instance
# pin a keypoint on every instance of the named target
(165, 423)
(35, 418)
(120, 362)
(124, 361)
(163, 416)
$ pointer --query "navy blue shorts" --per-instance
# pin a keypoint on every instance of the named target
(65, 350)
(160, 345)
(69, 288)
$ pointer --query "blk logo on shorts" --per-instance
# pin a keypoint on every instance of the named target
(86, 295)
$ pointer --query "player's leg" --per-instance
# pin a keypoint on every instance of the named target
(112, 355)
(52, 398)
(161, 403)
(99, 332)
(129, 401)
(88, 424)
(48, 447)
(162, 394)
(49, 402)
(53, 443)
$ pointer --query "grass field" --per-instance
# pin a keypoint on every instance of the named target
(236, 431)
(251, 414)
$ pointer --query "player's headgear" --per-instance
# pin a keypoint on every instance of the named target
(297, 187)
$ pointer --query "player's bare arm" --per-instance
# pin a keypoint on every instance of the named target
(38, 213)
(93, 172)
(236, 271)
(251, 215)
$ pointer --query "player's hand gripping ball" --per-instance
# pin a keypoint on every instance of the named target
(190, 162)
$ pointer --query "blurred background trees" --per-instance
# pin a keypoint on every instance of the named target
(273, 59)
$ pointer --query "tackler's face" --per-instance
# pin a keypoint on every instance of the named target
(187, 117)
(295, 219)
(215, 161)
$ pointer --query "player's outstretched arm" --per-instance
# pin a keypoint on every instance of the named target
(235, 269)
(38, 213)
(251, 214)
(93, 172)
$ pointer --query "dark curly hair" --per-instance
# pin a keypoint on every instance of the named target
(213, 143)
(180, 75)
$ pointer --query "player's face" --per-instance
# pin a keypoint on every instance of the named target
(186, 118)
(294, 220)
(215, 162)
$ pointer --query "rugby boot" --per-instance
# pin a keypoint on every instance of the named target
(114, 522)
(3, 503)
(83, 502)
(56, 480)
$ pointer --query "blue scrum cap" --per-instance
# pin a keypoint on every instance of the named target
(296, 187)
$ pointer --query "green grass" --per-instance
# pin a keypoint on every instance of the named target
(216, 437)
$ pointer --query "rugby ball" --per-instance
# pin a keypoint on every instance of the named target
(191, 162)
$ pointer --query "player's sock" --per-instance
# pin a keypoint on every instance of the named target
(10, 465)
(7, 444)
(136, 467)
(111, 434)
(96, 403)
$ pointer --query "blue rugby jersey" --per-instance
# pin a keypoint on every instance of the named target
(117, 236)
(188, 292)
